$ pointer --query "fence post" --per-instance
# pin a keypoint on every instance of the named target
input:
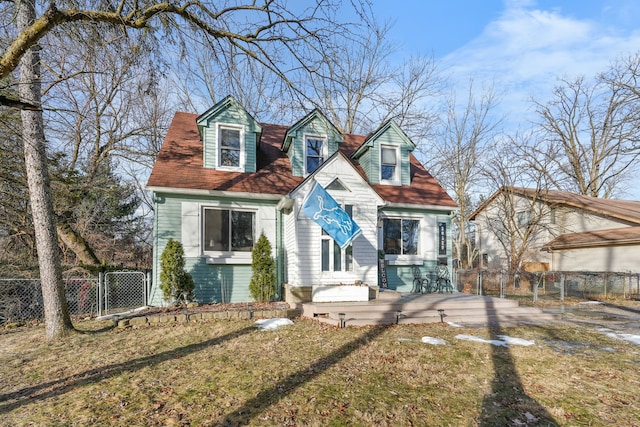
(562, 287)
(147, 288)
(479, 282)
(100, 296)
(502, 284)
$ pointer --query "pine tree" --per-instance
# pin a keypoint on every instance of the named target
(176, 283)
(263, 280)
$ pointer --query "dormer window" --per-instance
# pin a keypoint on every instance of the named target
(230, 147)
(315, 152)
(389, 169)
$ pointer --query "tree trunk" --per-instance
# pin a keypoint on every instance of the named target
(77, 244)
(56, 314)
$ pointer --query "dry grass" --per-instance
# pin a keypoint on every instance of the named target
(230, 373)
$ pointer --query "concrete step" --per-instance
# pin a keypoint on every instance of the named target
(419, 313)
(423, 308)
(409, 305)
(475, 320)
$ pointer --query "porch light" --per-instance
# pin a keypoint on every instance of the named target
(398, 314)
(341, 316)
(442, 315)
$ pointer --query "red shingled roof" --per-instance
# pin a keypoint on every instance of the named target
(180, 166)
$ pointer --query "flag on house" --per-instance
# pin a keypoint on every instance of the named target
(328, 214)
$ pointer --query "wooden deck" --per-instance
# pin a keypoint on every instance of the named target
(393, 307)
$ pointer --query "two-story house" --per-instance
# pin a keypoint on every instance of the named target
(557, 230)
(222, 178)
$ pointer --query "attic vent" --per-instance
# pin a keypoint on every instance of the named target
(336, 184)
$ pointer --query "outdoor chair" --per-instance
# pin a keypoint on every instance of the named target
(443, 281)
(420, 284)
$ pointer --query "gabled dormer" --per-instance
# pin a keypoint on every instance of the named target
(384, 155)
(230, 137)
(310, 142)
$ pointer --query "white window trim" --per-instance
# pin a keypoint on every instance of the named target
(396, 175)
(226, 257)
(331, 273)
(241, 166)
(403, 259)
(325, 149)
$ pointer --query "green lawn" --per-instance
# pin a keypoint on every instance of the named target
(230, 373)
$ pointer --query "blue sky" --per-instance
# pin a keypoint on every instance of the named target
(519, 46)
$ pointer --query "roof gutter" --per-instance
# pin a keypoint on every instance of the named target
(421, 207)
(215, 193)
(619, 242)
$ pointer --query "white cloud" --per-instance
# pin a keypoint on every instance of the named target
(526, 49)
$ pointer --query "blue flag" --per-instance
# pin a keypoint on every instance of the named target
(327, 213)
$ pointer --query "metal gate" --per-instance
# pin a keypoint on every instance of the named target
(123, 291)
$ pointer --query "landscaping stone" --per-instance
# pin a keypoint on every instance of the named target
(138, 321)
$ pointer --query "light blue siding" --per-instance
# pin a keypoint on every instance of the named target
(400, 277)
(315, 127)
(370, 159)
(219, 283)
(234, 114)
(213, 282)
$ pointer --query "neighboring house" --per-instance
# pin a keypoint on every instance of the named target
(557, 230)
(221, 179)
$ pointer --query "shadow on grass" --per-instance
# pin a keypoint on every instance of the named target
(508, 403)
(288, 385)
(10, 401)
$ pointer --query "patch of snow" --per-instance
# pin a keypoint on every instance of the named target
(516, 341)
(405, 339)
(592, 303)
(482, 340)
(619, 336)
(625, 337)
(504, 340)
(434, 341)
(454, 324)
(270, 324)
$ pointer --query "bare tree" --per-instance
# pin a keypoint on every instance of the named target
(466, 134)
(255, 29)
(359, 88)
(515, 219)
(589, 134)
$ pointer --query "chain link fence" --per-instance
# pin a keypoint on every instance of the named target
(21, 299)
(124, 290)
(549, 285)
(113, 292)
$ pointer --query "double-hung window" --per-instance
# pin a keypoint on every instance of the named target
(389, 170)
(228, 230)
(315, 152)
(230, 146)
(334, 258)
(400, 236)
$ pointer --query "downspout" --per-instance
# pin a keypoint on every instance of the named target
(279, 255)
